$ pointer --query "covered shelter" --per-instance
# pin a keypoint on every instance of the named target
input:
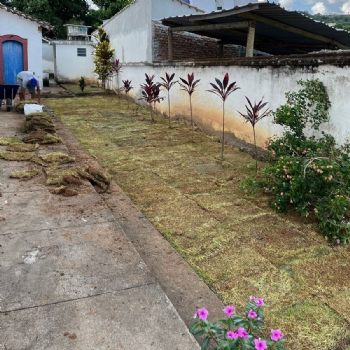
(262, 26)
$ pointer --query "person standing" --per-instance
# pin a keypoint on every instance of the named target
(28, 81)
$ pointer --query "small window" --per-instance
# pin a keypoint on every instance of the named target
(81, 52)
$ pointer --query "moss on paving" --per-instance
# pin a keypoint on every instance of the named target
(231, 238)
(53, 159)
(22, 147)
(25, 174)
(9, 140)
(16, 156)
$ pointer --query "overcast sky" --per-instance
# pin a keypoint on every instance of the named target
(322, 7)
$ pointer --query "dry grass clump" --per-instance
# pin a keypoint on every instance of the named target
(64, 191)
(53, 159)
(16, 156)
(20, 106)
(22, 147)
(96, 176)
(8, 140)
(26, 174)
(63, 176)
(39, 121)
(42, 137)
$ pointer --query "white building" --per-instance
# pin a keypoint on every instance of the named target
(20, 44)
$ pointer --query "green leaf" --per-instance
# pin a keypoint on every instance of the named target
(194, 327)
(205, 343)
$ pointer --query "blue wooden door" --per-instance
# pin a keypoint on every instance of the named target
(12, 58)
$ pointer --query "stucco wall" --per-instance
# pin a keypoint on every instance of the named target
(13, 24)
(130, 33)
(48, 59)
(269, 81)
(68, 65)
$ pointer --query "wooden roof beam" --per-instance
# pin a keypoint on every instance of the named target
(198, 28)
(288, 28)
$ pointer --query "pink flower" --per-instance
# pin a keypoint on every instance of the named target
(252, 314)
(241, 332)
(229, 310)
(202, 314)
(276, 334)
(259, 302)
(260, 344)
(231, 335)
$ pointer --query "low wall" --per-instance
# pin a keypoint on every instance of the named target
(270, 77)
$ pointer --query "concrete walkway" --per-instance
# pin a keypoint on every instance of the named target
(69, 276)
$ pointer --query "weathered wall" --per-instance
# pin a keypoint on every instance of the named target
(257, 77)
(68, 65)
(26, 29)
(48, 59)
(187, 46)
(130, 31)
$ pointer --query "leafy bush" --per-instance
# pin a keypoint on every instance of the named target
(237, 332)
(308, 173)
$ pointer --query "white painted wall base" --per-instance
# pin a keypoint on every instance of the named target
(270, 82)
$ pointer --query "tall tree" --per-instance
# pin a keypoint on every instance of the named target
(55, 12)
(108, 8)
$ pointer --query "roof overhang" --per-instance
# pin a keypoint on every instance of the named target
(277, 31)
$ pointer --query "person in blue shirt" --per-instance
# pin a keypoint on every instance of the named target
(28, 81)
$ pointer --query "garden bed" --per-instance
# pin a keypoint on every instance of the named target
(232, 239)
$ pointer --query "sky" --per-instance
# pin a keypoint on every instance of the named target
(311, 6)
(322, 7)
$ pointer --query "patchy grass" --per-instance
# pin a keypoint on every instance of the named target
(230, 237)
(25, 174)
(75, 88)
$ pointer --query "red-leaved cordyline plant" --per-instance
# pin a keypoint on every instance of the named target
(223, 90)
(127, 87)
(253, 116)
(168, 83)
(115, 70)
(150, 92)
(189, 86)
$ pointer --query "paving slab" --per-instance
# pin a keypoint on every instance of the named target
(69, 276)
(137, 318)
(67, 264)
(11, 185)
(34, 211)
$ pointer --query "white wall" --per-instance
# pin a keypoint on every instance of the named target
(167, 8)
(13, 24)
(68, 65)
(270, 82)
(209, 5)
(48, 59)
(130, 33)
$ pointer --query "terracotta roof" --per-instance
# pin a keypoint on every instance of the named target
(43, 24)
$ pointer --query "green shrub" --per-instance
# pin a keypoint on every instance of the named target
(308, 173)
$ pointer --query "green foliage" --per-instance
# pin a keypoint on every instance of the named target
(307, 173)
(82, 83)
(108, 8)
(103, 56)
(55, 12)
(237, 331)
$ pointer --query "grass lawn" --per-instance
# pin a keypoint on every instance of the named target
(232, 239)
